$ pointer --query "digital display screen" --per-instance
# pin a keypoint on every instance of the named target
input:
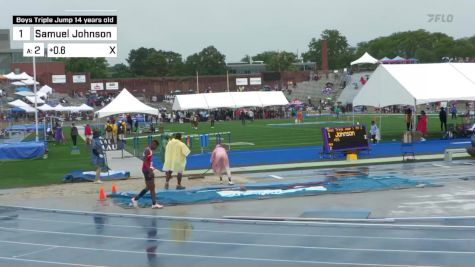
(345, 138)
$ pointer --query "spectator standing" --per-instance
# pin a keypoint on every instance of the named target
(443, 119)
(97, 155)
(374, 132)
(453, 111)
(242, 116)
(251, 115)
(408, 119)
(88, 133)
(211, 119)
(108, 130)
(114, 132)
(74, 134)
(422, 124)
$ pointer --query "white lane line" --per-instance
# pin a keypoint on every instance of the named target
(34, 252)
(440, 165)
(208, 256)
(51, 262)
(259, 233)
(240, 244)
(251, 222)
(276, 177)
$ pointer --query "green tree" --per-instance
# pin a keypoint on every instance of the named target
(149, 62)
(338, 49)
(120, 71)
(282, 61)
(421, 44)
(96, 66)
(137, 60)
(207, 62)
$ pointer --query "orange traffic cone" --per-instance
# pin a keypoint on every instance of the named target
(114, 189)
(102, 193)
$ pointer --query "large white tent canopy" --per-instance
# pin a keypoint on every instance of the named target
(31, 99)
(125, 102)
(20, 104)
(414, 84)
(229, 100)
(46, 89)
(365, 59)
(46, 107)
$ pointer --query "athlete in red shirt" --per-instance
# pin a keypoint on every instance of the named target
(147, 170)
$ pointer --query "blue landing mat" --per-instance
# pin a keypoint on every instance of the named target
(89, 176)
(21, 150)
(304, 187)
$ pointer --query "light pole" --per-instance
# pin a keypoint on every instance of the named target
(36, 99)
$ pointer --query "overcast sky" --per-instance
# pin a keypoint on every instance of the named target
(241, 27)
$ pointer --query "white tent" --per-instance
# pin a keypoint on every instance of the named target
(25, 93)
(246, 99)
(187, 102)
(229, 100)
(18, 83)
(46, 89)
(219, 100)
(41, 94)
(414, 84)
(29, 82)
(272, 98)
(61, 108)
(125, 102)
(85, 107)
(10, 76)
(20, 104)
(365, 59)
(23, 76)
(46, 107)
(31, 99)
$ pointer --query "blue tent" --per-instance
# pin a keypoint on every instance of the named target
(22, 89)
(398, 58)
(17, 109)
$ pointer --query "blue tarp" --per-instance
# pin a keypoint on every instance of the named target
(25, 127)
(313, 153)
(21, 150)
(89, 176)
(303, 187)
(22, 89)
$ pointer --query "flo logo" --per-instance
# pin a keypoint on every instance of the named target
(440, 18)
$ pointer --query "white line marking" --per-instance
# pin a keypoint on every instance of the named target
(237, 244)
(202, 256)
(253, 222)
(460, 143)
(440, 165)
(276, 177)
(90, 10)
(259, 233)
(51, 262)
(34, 252)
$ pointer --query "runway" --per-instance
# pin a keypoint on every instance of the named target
(42, 237)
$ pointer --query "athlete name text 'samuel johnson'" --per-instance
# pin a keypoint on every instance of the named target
(76, 34)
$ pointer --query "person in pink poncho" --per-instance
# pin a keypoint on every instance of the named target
(220, 163)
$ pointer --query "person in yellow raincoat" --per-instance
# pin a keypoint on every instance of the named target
(175, 160)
